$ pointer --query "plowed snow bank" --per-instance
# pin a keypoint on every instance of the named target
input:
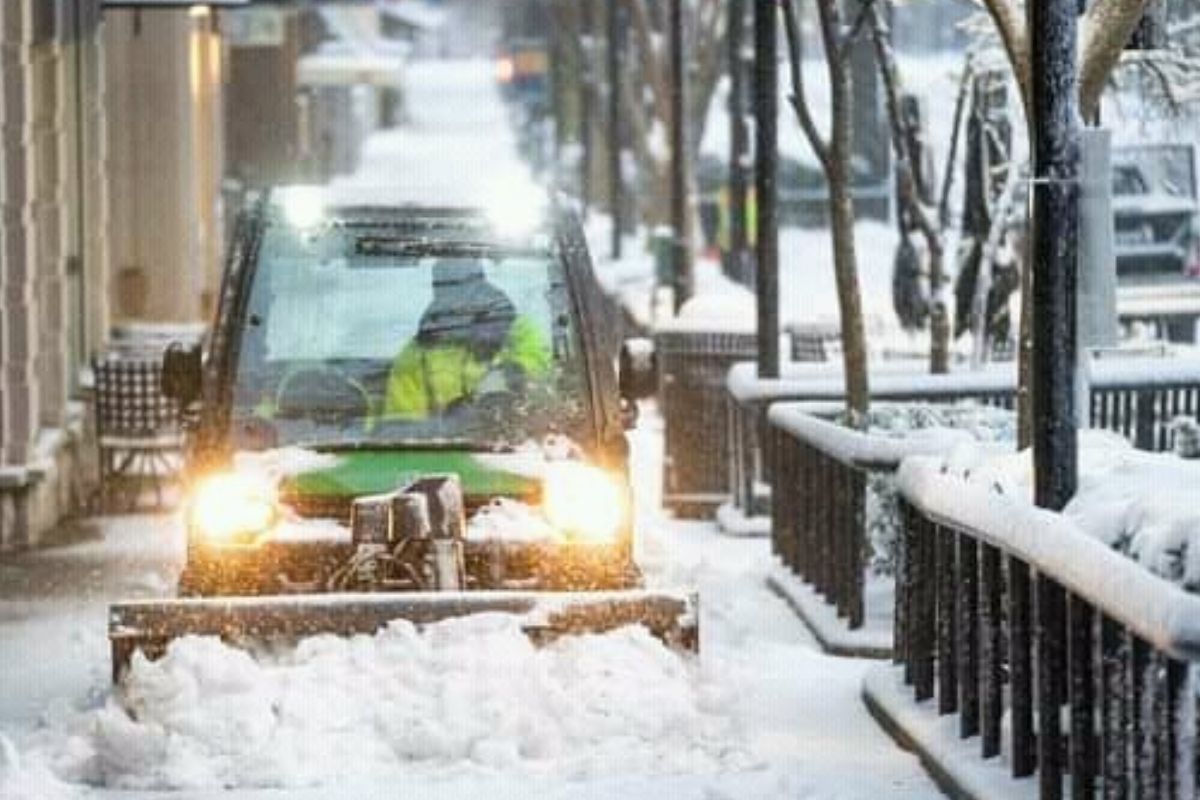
(469, 694)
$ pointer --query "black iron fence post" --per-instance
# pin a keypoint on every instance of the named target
(766, 107)
(616, 46)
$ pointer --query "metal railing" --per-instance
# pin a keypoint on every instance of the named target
(752, 442)
(1011, 617)
(1138, 398)
(818, 515)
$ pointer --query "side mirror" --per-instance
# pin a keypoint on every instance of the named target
(637, 370)
(181, 374)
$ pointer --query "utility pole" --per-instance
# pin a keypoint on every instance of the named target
(1054, 217)
(587, 96)
(616, 46)
(680, 207)
(739, 152)
(766, 110)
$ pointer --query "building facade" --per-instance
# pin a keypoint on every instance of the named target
(123, 126)
(53, 254)
(111, 160)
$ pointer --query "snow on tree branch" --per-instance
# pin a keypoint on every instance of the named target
(1009, 18)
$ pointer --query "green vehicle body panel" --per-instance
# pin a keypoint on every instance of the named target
(377, 472)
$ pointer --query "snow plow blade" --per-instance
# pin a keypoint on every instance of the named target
(150, 626)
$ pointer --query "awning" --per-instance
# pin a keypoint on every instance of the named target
(350, 69)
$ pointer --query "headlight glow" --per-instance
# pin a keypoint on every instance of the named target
(506, 70)
(229, 508)
(515, 205)
(583, 501)
(303, 206)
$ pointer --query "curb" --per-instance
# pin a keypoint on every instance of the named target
(822, 620)
(954, 763)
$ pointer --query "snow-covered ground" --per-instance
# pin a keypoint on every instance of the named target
(807, 287)
(1139, 503)
(458, 148)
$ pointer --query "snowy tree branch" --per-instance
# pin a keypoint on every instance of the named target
(1009, 19)
(922, 217)
(797, 99)
(653, 62)
(905, 180)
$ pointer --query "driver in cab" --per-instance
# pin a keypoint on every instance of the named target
(470, 342)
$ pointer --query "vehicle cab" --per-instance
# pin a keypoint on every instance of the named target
(356, 350)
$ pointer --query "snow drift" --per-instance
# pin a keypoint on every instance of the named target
(470, 693)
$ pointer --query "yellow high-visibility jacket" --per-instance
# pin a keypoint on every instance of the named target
(427, 380)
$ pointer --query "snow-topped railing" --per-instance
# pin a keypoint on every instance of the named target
(889, 380)
(751, 396)
(820, 469)
(1137, 397)
(989, 586)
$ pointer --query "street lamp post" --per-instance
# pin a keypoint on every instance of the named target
(680, 207)
(766, 110)
(1054, 218)
(616, 34)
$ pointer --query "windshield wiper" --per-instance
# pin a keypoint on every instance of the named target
(373, 445)
(418, 248)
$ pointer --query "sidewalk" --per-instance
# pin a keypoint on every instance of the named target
(53, 611)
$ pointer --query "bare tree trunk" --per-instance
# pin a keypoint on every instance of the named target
(980, 323)
(835, 157)
(918, 215)
(845, 264)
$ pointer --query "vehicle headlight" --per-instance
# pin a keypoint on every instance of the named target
(583, 501)
(231, 508)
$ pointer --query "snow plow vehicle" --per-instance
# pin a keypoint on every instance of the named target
(404, 413)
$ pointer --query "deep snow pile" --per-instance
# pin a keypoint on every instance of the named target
(1145, 505)
(469, 693)
(1139, 503)
(962, 422)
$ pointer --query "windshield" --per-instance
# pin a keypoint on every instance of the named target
(354, 337)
